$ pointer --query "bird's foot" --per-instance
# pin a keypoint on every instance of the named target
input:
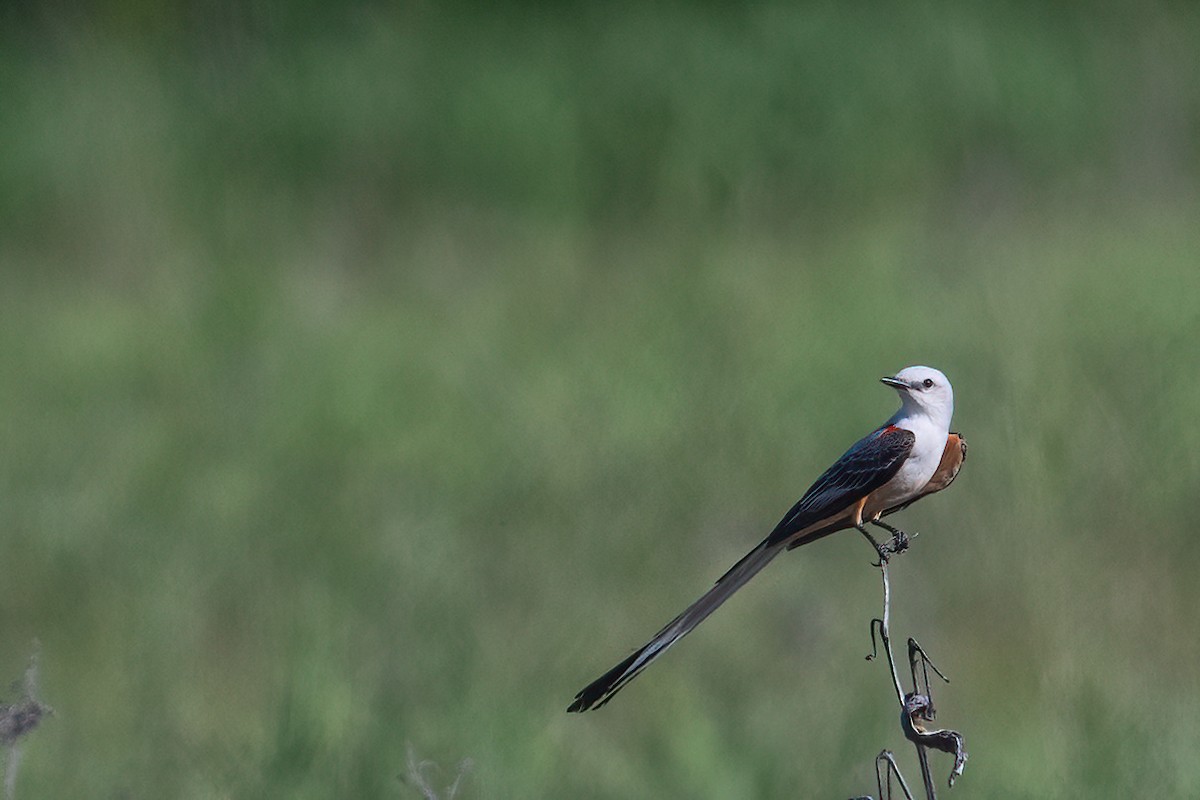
(899, 542)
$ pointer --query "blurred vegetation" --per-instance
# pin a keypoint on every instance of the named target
(377, 376)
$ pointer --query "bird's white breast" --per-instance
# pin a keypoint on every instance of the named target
(920, 465)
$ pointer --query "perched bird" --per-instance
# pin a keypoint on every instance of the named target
(911, 455)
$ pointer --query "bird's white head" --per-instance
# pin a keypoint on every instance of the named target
(926, 391)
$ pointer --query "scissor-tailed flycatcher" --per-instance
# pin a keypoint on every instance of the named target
(911, 455)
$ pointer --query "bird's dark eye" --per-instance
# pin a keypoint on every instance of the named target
(927, 383)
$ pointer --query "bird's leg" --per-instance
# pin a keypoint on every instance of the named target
(881, 550)
(900, 539)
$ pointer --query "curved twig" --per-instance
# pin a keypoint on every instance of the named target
(916, 708)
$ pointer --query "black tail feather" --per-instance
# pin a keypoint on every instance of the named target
(601, 690)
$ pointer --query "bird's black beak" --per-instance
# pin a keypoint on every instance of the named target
(894, 383)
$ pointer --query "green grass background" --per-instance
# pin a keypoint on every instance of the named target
(374, 377)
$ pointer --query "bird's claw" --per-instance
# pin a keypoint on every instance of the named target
(899, 543)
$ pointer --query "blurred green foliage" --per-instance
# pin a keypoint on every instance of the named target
(375, 377)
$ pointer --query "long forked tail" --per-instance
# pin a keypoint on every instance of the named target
(601, 690)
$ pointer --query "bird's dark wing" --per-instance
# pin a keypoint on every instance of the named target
(870, 463)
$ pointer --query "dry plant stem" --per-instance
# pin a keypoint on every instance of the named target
(919, 711)
(885, 786)
(418, 776)
(917, 655)
(18, 719)
(883, 625)
(926, 773)
(885, 768)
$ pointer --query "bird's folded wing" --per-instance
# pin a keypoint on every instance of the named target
(870, 463)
